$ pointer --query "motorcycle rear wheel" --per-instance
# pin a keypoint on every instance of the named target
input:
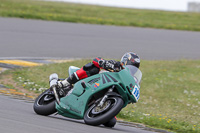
(111, 123)
(45, 103)
(111, 108)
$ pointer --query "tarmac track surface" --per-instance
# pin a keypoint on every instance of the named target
(17, 116)
(40, 39)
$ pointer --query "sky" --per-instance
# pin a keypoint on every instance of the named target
(171, 5)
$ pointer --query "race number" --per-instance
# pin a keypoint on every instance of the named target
(136, 92)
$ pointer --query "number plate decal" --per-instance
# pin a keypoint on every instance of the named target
(136, 92)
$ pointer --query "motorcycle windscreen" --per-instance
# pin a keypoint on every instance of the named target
(136, 73)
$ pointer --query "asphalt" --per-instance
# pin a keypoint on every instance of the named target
(17, 116)
(21, 38)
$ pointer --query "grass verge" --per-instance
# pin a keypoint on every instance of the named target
(68, 12)
(170, 96)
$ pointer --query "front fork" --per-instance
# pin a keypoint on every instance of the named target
(56, 95)
(53, 79)
(105, 97)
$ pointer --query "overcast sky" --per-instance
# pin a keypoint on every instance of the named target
(173, 5)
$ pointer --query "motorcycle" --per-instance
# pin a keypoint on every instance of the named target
(96, 99)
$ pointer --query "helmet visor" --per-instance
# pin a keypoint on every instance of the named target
(125, 58)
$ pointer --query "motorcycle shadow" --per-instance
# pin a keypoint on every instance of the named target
(59, 117)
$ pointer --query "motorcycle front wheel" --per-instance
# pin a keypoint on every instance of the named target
(96, 115)
(45, 103)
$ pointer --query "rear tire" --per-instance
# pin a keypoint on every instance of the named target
(95, 116)
(111, 123)
(45, 103)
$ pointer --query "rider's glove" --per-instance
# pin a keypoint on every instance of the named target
(110, 65)
(117, 66)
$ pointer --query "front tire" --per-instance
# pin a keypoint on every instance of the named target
(96, 116)
(45, 103)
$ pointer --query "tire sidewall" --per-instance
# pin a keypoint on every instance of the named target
(105, 117)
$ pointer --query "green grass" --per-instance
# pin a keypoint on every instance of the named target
(67, 12)
(170, 96)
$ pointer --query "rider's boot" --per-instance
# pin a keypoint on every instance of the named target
(66, 85)
(63, 91)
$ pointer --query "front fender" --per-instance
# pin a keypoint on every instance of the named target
(113, 94)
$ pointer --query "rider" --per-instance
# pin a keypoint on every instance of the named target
(93, 68)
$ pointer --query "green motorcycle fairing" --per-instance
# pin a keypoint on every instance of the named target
(75, 104)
